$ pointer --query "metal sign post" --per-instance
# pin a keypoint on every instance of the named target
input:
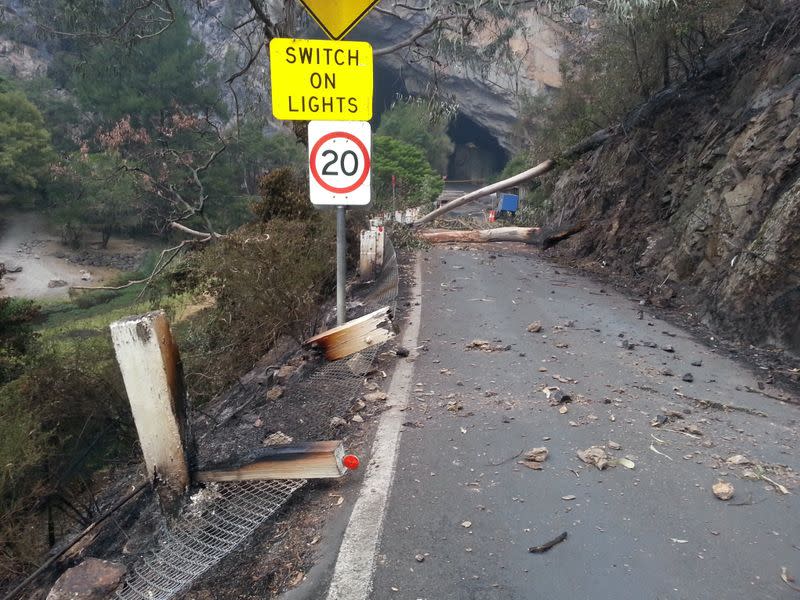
(339, 166)
(341, 265)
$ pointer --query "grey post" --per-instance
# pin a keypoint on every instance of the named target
(341, 265)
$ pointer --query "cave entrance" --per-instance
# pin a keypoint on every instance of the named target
(478, 155)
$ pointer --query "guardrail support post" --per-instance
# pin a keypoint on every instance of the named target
(150, 363)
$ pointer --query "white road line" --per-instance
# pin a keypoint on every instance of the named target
(355, 566)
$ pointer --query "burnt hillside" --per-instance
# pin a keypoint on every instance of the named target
(697, 196)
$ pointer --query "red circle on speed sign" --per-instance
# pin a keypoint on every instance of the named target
(313, 162)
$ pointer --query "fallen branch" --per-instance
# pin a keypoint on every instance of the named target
(201, 234)
(527, 235)
(547, 545)
(587, 144)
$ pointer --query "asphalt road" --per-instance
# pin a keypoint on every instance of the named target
(462, 503)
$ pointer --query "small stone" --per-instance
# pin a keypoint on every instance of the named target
(93, 579)
(688, 378)
(419, 558)
(338, 422)
(668, 348)
(357, 419)
(274, 393)
(614, 446)
(57, 283)
(360, 405)
(535, 327)
(723, 490)
(667, 373)
(738, 459)
(402, 352)
(563, 410)
(697, 363)
(376, 397)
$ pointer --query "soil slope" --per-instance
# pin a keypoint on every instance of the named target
(697, 196)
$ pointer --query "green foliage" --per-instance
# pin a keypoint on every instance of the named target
(25, 152)
(628, 61)
(96, 191)
(17, 318)
(412, 122)
(416, 182)
(147, 78)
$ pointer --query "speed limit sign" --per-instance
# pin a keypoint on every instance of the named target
(339, 162)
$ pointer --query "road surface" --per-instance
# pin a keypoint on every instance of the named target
(461, 512)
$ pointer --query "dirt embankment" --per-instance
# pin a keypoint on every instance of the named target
(699, 201)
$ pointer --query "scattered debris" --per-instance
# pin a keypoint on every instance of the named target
(454, 406)
(569, 497)
(376, 397)
(723, 490)
(653, 448)
(419, 558)
(534, 458)
(625, 462)
(274, 393)
(677, 541)
(562, 345)
(556, 396)
(788, 579)
(357, 418)
(738, 459)
(57, 283)
(562, 379)
(338, 422)
(466, 524)
(547, 545)
(402, 352)
(563, 410)
(594, 455)
(614, 445)
(485, 346)
(535, 327)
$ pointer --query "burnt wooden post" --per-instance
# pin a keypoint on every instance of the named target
(372, 243)
(150, 365)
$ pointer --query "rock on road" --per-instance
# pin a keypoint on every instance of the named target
(462, 512)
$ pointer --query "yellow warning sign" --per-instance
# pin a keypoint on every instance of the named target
(315, 80)
(339, 17)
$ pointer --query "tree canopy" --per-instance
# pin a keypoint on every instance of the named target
(25, 151)
(415, 182)
(412, 122)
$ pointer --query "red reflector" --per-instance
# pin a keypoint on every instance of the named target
(351, 461)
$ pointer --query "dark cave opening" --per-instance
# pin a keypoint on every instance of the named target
(478, 155)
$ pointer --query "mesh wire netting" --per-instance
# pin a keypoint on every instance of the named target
(224, 515)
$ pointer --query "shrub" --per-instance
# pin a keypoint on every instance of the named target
(416, 183)
(284, 195)
(268, 280)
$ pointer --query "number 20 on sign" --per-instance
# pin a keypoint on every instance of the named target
(339, 162)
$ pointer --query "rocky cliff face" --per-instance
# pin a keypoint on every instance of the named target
(700, 200)
(488, 97)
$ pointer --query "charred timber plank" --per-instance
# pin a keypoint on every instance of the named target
(356, 335)
(311, 460)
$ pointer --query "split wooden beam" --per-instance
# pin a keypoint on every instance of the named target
(311, 460)
(355, 336)
(151, 370)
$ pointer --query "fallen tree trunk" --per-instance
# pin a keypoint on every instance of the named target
(536, 236)
(585, 145)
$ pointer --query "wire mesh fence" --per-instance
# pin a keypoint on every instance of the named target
(223, 515)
